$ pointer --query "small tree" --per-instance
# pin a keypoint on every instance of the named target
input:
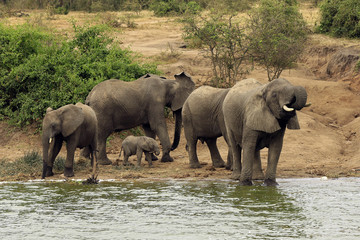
(277, 35)
(223, 41)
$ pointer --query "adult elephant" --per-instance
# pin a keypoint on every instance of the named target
(123, 105)
(74, 124)
(203, 120)
(258, 118)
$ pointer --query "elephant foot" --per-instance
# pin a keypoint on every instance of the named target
(246, 182)
(270, 183)
(48, 172)
(195, 165)
(218, 164)
(128, 164)
(68, 172)
(235, 176)
(153, 157)
(167, 158)
(104, 161)
(258, 175)
(228, 167)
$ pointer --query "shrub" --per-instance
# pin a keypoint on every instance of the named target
(224, 42)
(30, 164)
(277, 35)
(174, 7)
(340, 18)
(38, 71)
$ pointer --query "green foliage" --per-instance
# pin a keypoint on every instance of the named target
(224, 42)
(30, 164)
(37, 71)
(174, 7)
(340, 18)
(277, 33)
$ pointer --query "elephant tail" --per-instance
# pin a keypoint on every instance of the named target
(120, 151)
(177, 131)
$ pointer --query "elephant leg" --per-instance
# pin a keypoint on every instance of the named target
(257, 170)
(229, 162)
(194, 161)
(101, 141)
(161, 132)
(52, 156)
(126, 159)
(217, 161)
(148, 157)
(152, 134)
(139, 153)
(273, 159)
(236, 153)
(69, 163)
(249, 146)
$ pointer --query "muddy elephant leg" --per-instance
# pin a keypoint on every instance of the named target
(126, 159)
(152, 134)
(217, 161)
(257, 170)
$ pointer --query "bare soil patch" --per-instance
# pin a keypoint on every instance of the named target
(326, 145)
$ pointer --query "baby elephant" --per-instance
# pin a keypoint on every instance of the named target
(137, 145)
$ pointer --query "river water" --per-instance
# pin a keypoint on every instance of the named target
(296, 209)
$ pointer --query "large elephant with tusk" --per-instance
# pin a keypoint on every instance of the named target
(256, 119)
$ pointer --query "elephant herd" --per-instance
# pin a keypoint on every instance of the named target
(250, 116)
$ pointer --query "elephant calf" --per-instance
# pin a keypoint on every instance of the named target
(137, 145)
(74, 124)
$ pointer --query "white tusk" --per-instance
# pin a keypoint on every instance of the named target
(308, 104)
(50, 140)
(287, 109)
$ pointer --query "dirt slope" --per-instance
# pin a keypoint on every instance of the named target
(327, 143)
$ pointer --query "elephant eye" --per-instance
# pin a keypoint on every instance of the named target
(274, 95)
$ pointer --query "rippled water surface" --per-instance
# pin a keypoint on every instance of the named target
(296, 209)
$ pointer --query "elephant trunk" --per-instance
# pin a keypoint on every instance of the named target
(177, 132)
(45, 144)
(300, 98)
(48, 143)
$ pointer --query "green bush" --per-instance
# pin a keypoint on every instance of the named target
(174, 7)
(340, 18)
(38, 71)
(28, 165)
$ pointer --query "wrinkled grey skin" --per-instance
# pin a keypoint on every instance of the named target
(74, 124)
(203, 119)
(123, 105)
(256, 119)
(137, 145)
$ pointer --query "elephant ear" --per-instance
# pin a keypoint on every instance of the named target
(145, 144)
(258, 116)
(72, 117)
(184, 85)
(293, 123)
